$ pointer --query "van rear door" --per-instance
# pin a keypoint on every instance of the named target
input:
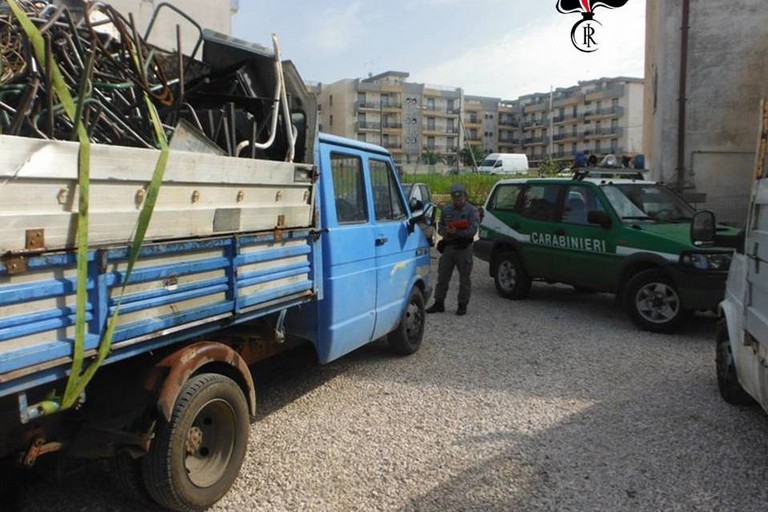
(756, 248)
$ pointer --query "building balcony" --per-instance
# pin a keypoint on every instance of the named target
(509, 140)
(609, 112)
(368, 105)
(392, 126)
(367, 126)
(609, 132)
(562, 137)
(452, 131)
(392, 145)
(392, 106)
(535, 141)
(509, 122)
(441, 148)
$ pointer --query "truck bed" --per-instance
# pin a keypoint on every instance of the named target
(231, 240)
(202, 194)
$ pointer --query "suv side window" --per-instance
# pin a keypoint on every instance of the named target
(579, 200)
(349, 189)
(387, 201)
(505, 197)
(540, 202)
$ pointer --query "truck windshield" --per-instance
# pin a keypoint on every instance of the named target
(636, 201)
(488, 163)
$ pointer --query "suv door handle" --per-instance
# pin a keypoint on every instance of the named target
(381, 241)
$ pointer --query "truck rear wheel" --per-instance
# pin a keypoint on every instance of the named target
(406, 338)
(727, 378)
(197, 455)
(653, 303)
(510, 278)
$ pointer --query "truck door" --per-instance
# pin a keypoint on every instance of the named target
(347, 314)
(395, 245)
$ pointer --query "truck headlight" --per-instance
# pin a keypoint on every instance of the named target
(715, 261)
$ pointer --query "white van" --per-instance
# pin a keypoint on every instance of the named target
(742, 334)
(504, 163)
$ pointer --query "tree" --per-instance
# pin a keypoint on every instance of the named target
(468, 151)
(430, 156)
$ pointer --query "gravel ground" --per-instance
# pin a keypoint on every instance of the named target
(552, 403)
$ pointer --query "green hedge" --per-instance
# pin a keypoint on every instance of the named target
(477, 186)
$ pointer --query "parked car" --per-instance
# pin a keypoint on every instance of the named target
(419, 197)
(620, 235)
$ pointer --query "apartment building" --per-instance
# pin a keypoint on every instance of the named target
(596, 116)
(410, 120)
(415, 121)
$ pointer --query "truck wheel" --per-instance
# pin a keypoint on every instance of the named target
(727, 378)
(197, 455)
(406, 338)
(653, 303)
(510, 278)
(128, 476)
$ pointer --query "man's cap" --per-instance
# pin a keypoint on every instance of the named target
(457, 189)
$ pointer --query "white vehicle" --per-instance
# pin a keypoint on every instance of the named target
(504, 163)
(742, 334)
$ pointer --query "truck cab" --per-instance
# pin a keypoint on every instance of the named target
(374, 255)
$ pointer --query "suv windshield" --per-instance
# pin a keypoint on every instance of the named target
(488, 163)
(635, 201)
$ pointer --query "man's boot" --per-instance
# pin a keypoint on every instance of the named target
(462, 310)
(437, 307)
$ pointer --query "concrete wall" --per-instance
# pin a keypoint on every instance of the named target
(727, 74)
(212, 14)
(632, 142)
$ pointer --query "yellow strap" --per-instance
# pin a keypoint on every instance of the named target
(76, 382)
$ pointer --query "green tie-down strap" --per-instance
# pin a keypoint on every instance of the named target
(78, 380)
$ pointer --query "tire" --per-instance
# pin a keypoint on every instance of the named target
(210, 417)
(653, 303)
(510, 278)
(727, 378)
(406, 338)
(128, 477)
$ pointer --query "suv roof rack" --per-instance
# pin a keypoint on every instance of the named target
(604, 172)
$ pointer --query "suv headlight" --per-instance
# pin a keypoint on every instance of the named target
(715, 261)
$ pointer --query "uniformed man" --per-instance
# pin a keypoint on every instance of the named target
(457, 227)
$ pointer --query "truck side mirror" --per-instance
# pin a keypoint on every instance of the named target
(600, 218)
(703, 228)
(416, 205)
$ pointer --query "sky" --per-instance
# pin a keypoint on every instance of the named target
(497, 48)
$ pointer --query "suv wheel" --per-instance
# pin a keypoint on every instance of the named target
(510, 278)
(653, 302)
(727, 378)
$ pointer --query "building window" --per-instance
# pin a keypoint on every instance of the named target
(330, 100)
(331, 123)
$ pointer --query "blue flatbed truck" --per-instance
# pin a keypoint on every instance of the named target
(243, 258)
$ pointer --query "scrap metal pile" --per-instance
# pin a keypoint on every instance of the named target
(235, 101)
